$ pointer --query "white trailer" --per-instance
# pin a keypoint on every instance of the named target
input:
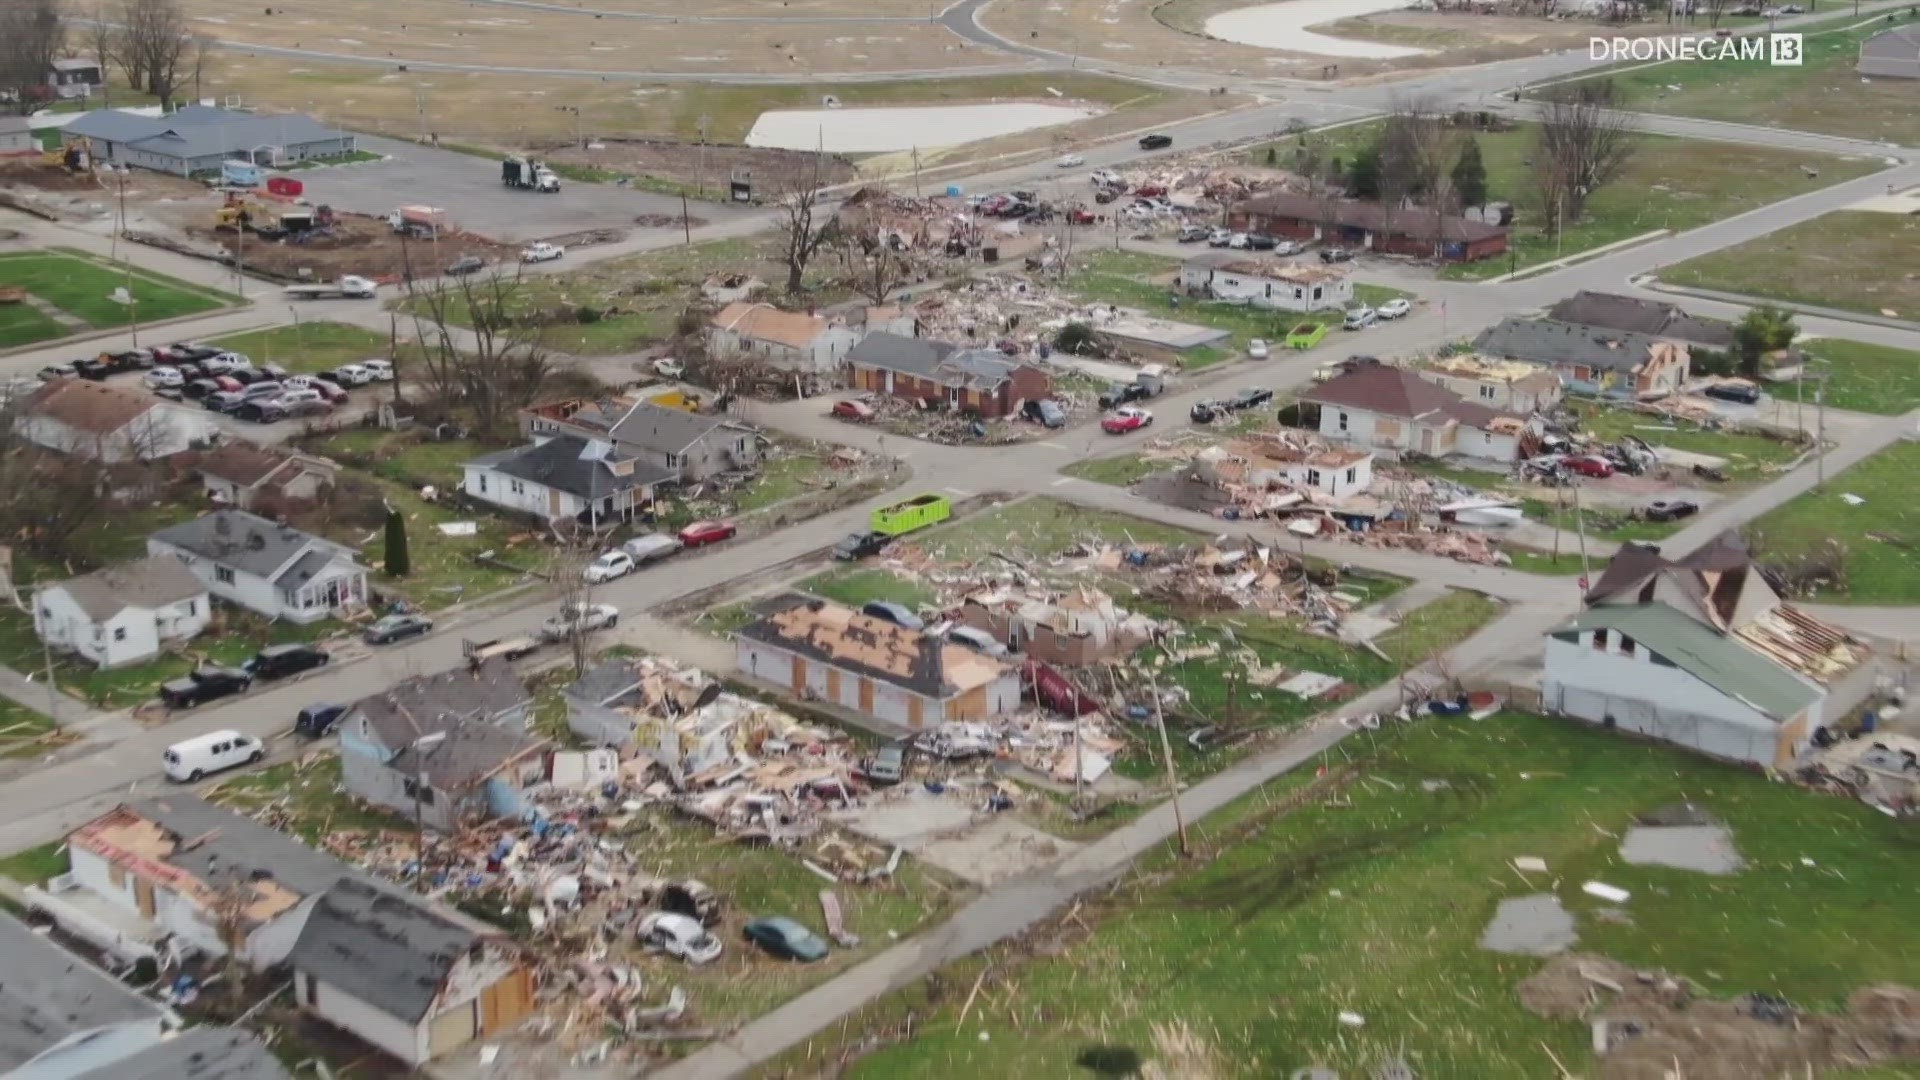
(349, 287)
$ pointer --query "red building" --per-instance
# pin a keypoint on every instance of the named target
(1415, 231)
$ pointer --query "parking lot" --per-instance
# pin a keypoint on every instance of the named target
(468, 188)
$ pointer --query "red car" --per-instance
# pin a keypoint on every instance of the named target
(858, 411)
(1125, 419)
(1588, 465)
(1080, 216)
(706, 532)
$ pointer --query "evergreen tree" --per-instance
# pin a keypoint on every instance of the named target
(1363, 173)
(1470, 175)
(397, 561)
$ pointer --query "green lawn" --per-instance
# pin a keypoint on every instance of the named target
(1669, 183)
(1879, 537)
(855, 586)
(22, 324)
(1531, 561)
(787, 472)
(1121, 470)
(21, 729)
(82, 285)
(1823, 94)
(1437, 625)
(312, 798)
(1369, 894)
(1749, 457)
(309, 346)
(1854, 260)
(36, 864)
(1868, 378)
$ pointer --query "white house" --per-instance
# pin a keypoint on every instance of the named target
(1701, 652)
(1513, 386)
(1266, 283)
(413, 981)
(1391, 408)
(276, 570)
(566, 478)
(123, 614)
(794, 340)
(1274, 460)
(109, 424)
(16, 136)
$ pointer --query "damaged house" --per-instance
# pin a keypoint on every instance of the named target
(1415, 231)
(1592, 361)
(982, 382)
(451, 748)
(687, 446)
(790, 340)
(1270, 461)
(1701, 652)
(1081, 626)
(1654, 318)
(607, 705)
(1392, 408)
(1239, 278)
(1512, 386)
(906, 678)
(408, 979)
(566, 478)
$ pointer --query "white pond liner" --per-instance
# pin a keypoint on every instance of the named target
(1284, 26)
(879, 131)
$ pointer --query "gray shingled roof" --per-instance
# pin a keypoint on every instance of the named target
(383, 949)
(152, 582)
(1546, 341)
(670, 431)
(559, 463)
(202, 131)
(47, 994)
(1612, 311)
(247, 542)
(428, 703)
(201, 1053)
(232, 846)
(604, 681)
(1901, 43)
(472, 751)
(896, 352)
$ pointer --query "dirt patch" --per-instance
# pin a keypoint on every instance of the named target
(1655, 1024)
(685, 163)
(355, 244)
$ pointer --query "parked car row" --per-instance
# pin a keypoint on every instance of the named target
(1251, 397)
(209, 682)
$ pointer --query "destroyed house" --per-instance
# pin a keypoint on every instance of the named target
(1592, 361)
(1701, 652)
(790, 340)
(1513, 386)
(608, 703)
(1415, 231)
(1654, 318)
(1082, 626)
(905, 678)
(239, 474)
(457, 740)
(980, 382)
(1234, 277)
(1386, 407)
(405, 978)
(1267, 461)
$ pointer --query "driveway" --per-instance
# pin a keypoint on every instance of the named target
(468, 187)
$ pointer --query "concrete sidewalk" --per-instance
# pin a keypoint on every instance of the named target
(33, 693)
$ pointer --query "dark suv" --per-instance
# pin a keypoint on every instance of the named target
(1155, 142)
(204, 685)
(280, 661)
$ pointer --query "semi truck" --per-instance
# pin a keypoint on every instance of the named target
(349, 287)
(519, 172)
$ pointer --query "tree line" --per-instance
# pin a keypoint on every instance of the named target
(150, 43)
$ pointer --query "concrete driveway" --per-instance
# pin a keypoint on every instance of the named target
(468, 187)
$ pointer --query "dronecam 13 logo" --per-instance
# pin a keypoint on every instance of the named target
(1783, 50)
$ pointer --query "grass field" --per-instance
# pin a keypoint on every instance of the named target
(1749, 457)
(308, 347)
(1854, 260)
(1868, 378)
(1368, 893)
(20, 727)
(1823, 94)
(1880, 535)
(1668, 183)
(82, 285)
(23, 324)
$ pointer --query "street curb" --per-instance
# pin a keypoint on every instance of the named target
(1577, 258)
(1836, 314)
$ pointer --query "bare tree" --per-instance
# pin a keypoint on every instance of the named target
(798, 196)
(52, 490)
(501, 367)
(159, 50)
(31, 36)
(874, 265)
(577, 546)
(1584, 143)
(102, 40)
(1715, 9)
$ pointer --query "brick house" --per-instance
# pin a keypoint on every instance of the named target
(979, 381)
(1416, 231)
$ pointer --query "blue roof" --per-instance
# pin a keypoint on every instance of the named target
(202, 131)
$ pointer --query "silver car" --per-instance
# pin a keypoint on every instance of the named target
(679, 936)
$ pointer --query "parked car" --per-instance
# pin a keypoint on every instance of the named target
(860, 545)
(1335, 255)
(977, 639)
(857, 411)
(678, 936)
(1044, 411)
(897, 614)
(541, 252)
(1360, 318)
(785, 938)
(1219, 238)
(701, 533)
(316, 721)
(1671, 509)
(258, 412)
(466, 264)
(190, 759)
(1250, 397)
(1191, 232)
(1588, 465)
(392, 628)
(1740, 393)
(163, 377)
(577, 618)
(1124, 419)
(1394, 308)
(1069, 161)
(223, 401)
(608, 566)
(280, 661)
(1262, 241)
(1257, 349)
(1239, 241)
(1288, 247)
(1118, 394)
(352, 375)
(650, 547)
(887, 766)
(381, 370)
(94, 369)
(202, 685)
(328, 389)
(1107, 178)
(222, 362)
(199, 388)
(1204, 412)
(1155, 141)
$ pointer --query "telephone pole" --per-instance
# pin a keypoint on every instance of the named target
(1173, 778)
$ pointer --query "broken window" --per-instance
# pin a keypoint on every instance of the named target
(1343, 421)
(1626, 645)
(1600, 640)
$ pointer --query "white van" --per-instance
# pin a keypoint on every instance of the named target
(194, 758)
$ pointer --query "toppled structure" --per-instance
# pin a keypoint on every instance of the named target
(1080, 626)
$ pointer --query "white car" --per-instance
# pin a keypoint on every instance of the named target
(573, 617)
(1069, 161)
(609, 566)
(1107, 178)
(161, 378)
(221, 363)
(381, 370)
(1219, 238)
(668, 368)
(1239, 241)
(1257, 349)
(352, 375)
(541, 252)
(1288, 247)
(679, 936)
(1361, 317)
(1394, 308)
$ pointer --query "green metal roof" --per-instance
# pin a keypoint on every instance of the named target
(1714, 658)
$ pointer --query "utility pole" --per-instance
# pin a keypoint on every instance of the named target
(700, 169)
(916, 172)
(1820, 431)
(420, 747)
(1173, 778)
(133, 303)
(686, 219)
(1580, 522)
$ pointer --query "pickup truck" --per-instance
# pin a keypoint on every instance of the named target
(860, 545)
(573, 617)
(204, 685)
(349, 287)
(479, 652)
(541, 252)
(1146, 384)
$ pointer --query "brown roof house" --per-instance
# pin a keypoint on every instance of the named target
(794, 340)
(451, 748)
(1081, 626)
(905, 678)
(109, 424)
(239, 474)
(980, 382)
(1391, 408)
(1655, 318)
(123, 614)
(1416, 231)
(1594, 361)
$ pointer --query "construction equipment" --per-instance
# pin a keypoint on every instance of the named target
(419, 222)
(519, 172)
(269, 219)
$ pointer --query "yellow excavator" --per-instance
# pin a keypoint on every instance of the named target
(268, 219)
